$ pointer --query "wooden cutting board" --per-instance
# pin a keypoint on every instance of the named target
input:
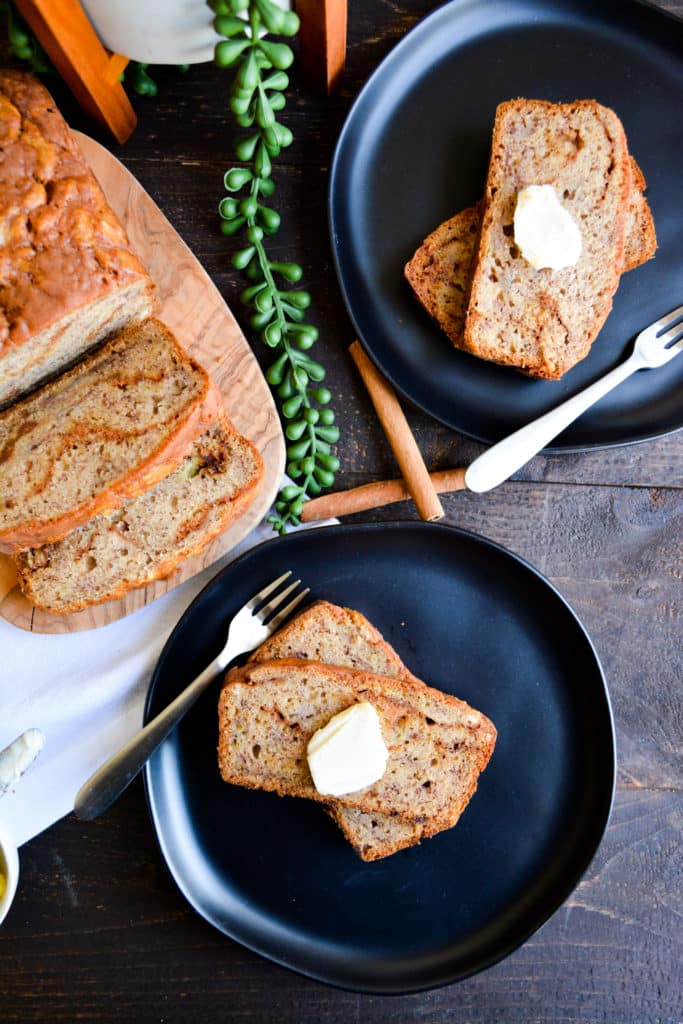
(193, 308)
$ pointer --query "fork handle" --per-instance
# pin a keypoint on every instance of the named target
(116, 774)
(505, 458)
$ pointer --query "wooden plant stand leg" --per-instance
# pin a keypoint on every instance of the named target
(92, 73)
(322, 38)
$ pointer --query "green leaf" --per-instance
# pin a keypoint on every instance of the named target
(278, 80)
(248, 75)
(262, 164)
(323, 476)
(228, 51)
(296, 430)
(291, 407)
(227, 208)
(279, 54)
(276, 371)
(244, 148)
(330, 434)
(291, 272)
(227, 25)
(242, 257)
(236, 178)
(264, 300)
(231, 227)
(330, 462)
(272, 335)
(298, 450)
(300, 299)
(269, 218)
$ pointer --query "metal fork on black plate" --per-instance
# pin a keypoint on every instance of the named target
(653, 347)
(252, 624)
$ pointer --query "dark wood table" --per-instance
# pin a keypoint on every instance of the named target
(99, 931)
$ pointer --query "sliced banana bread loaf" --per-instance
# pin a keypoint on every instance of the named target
(149, 536)
(439, 271)
(543, 321)
(108, 429)
(268, 712)
(334, 635)
(68, 276)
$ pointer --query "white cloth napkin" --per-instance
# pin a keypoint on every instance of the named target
(86, 692)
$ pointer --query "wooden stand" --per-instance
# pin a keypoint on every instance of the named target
(91, 72)
(323, 41)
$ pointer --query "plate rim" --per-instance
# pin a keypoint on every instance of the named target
(540, 918)
(443, 11)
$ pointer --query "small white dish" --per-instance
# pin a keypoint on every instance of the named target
(9, 870)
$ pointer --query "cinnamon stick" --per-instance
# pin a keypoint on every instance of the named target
(399, 436)
(382, 492)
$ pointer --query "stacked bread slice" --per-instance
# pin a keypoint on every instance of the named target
(325, 660)
(117, 460)
(471, 277)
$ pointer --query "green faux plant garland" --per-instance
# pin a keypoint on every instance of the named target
(256, 96)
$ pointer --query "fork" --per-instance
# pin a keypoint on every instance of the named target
(653, 347)
(247, 630)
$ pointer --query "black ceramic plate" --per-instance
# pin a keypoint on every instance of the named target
(276, 875)
(414, 151)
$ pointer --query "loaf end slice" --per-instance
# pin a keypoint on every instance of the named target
(543, 322)
(68, 275)
(149, 536)
(107, 430)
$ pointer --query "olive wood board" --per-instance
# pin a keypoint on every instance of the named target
(194, 309)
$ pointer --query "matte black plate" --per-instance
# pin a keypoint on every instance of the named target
(276, 875)
(414, 151)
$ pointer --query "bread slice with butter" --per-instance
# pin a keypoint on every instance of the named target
(329, 633)
(543, 321)
(269, 712)
(439, 271)
(149, 536)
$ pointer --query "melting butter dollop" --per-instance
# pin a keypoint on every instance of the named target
(545, 232)
(349, 753)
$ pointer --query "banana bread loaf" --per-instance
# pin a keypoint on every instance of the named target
(108, 429)
(149, 536)
(68, 277)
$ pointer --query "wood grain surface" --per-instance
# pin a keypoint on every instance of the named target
(194, 309)
(100, 934)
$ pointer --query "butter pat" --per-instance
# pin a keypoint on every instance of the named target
(16, 758)
(545, 233)
(349, 752)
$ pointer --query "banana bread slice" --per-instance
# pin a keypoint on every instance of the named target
(149, 536)
(268, 713)
(334, 635)
(68, 276)
(543, 321)
(107, 430)
(439, 271)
